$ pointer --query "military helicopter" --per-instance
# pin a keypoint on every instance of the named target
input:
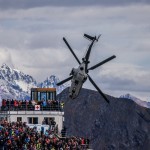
(79, 75)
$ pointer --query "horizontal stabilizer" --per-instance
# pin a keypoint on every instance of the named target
(90, 37)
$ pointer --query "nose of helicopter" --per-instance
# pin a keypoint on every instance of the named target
(72, 96)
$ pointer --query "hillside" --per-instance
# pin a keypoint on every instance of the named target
(120, 125)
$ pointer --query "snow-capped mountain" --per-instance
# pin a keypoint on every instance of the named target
(16, 84)
(51, 82)
(137, 100)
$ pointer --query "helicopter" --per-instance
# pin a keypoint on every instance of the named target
(79, 75)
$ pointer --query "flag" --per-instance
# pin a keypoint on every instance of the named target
(37, 107)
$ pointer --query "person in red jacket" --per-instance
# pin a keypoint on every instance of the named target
(3, 104)
(16, 104)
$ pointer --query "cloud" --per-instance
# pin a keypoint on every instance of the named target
(6, 58)
(26, 4)
(117, 79)
(38, 28)
(126, 78)
(32, 35)
(40, 63)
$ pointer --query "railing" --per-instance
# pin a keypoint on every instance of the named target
(31, 107)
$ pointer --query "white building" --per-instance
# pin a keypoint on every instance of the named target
(37, 115)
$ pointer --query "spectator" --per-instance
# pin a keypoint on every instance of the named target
(17, 105)
(62, 105)
(8, 104)
(12, 104)
(43, 122)
(44, 104)
(18, 136)
(3, 104)
(20, 105)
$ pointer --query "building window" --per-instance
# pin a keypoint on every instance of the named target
(33, 120)
(48, 120)
(19, 119)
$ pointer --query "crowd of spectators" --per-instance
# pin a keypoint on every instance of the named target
(18, 136)
(29, 105)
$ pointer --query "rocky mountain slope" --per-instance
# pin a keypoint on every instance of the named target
(16, 84)
(120, 125)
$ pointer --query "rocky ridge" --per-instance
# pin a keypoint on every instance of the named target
(120, 125)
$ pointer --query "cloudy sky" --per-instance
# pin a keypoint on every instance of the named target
(31, 34)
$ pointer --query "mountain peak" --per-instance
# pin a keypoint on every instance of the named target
(51, 82)
(136, 100)
(52, 77)
(4, 66)
(129, 96)
(18, 84)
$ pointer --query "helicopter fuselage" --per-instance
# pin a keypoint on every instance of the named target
(79, 77)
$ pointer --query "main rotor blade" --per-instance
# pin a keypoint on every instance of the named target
(71, 50)
(103, 62)
(98, 89)
(63, 81)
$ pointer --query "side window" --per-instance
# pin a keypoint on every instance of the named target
(19, 119)
(76, 82)
(33, 120)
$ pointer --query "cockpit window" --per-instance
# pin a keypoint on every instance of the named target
(81, 68)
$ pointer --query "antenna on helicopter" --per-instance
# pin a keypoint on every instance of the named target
(98, 37)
